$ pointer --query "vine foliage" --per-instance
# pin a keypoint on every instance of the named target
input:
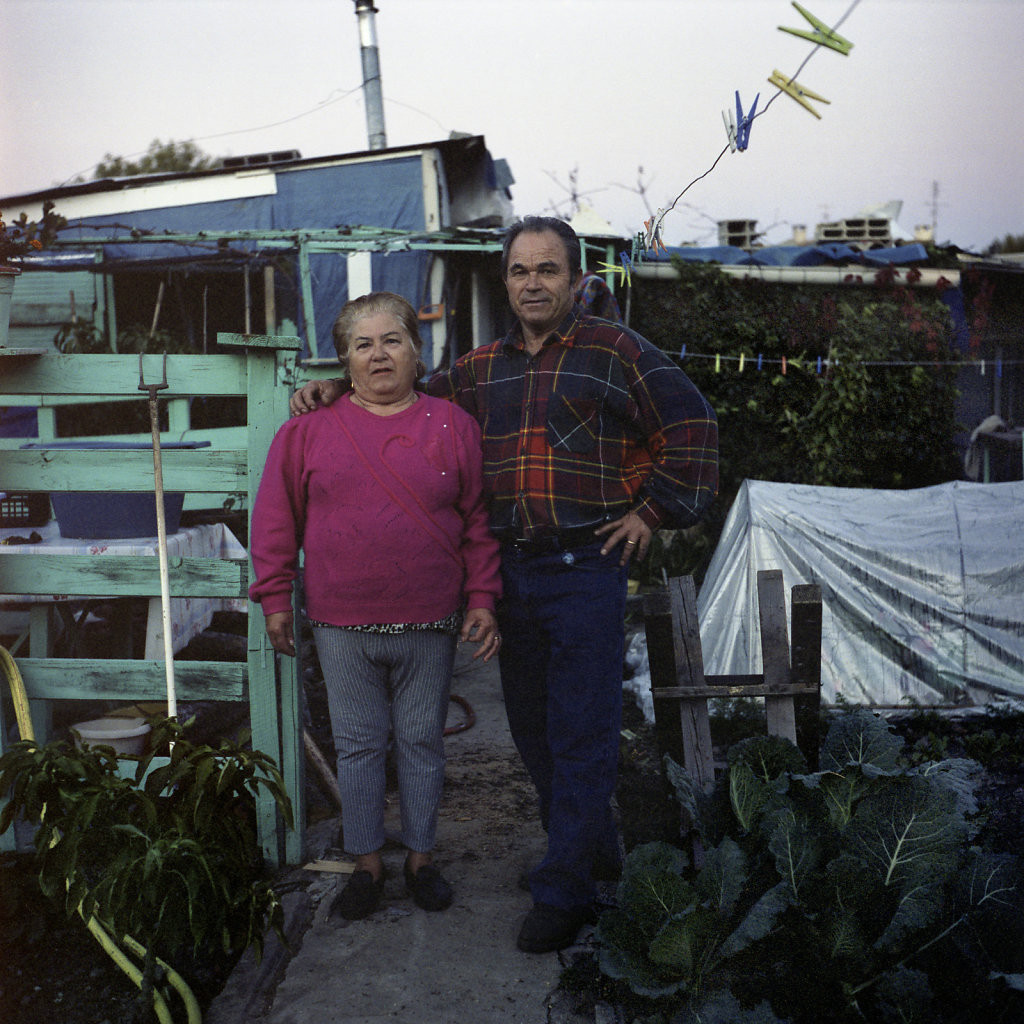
(880, 412)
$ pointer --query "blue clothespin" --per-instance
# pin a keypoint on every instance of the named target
(627, 266)
(743, 122)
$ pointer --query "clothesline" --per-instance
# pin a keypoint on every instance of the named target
(819, 363)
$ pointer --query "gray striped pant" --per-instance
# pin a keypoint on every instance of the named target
(381, 684)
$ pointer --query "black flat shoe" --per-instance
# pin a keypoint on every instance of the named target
(548, 928)
(360, 897)
(429, 890)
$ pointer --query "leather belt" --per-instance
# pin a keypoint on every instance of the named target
(561, 540)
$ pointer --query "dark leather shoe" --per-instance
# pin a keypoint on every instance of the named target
(548, 928)
(606, 868)
(360, 897)
(429, 890)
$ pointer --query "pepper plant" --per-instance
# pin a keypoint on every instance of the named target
(169, 856)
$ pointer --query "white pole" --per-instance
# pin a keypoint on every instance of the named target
(161, 532)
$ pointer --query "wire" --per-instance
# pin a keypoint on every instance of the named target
(763, 111)
(331, 99)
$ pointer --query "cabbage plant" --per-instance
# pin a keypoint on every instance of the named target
(854, 893)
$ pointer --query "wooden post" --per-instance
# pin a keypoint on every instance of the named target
(269, 301)
(771, 607)
(806, 668)
(661, 658)
(693, 712)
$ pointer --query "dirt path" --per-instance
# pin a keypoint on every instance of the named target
(402, 964)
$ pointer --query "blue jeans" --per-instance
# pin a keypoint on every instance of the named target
(562, 627)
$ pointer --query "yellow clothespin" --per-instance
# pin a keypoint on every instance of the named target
(822, 34)
(797, 91)
(615, 268)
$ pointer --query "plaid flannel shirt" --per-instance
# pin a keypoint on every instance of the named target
(599, 423)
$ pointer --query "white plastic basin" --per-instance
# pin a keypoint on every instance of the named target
(125, 735)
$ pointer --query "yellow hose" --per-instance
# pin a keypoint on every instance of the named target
(17, 684)
(96, 929)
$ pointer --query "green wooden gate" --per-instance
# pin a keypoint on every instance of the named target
(263, 371)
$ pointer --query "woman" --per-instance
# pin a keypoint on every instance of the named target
(382, 491)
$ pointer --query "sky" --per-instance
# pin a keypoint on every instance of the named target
(623, 96)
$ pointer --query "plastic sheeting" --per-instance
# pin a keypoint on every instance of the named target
(922, 590)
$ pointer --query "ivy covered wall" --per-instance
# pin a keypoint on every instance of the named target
(836, 386)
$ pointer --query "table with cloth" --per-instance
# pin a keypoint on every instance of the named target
(189, 615)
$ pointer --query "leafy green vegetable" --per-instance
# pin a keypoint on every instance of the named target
(860, 876)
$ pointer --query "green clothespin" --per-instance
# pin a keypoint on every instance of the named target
(822, 34)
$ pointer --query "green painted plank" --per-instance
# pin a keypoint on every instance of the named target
(121, 575)
(183, 469)
(112, 679)
(266, 719)
(117, 374)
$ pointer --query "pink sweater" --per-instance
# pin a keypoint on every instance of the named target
(388, 510)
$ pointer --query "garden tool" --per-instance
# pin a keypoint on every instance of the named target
(161, 531)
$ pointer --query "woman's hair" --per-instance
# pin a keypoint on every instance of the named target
(356, 310)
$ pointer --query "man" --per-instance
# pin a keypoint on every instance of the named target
(592, 440)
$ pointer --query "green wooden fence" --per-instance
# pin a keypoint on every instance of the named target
(263, 371)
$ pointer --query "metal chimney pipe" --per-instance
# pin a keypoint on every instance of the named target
(372, 95)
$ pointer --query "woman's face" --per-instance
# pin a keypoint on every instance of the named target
(381, 360)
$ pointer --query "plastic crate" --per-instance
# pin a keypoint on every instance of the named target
(31, 509)
(103, 515)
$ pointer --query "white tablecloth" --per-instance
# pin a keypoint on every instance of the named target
(189, 615)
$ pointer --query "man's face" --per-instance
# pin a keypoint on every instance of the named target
(540, 287)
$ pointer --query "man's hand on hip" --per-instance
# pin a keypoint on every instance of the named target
(631, 532)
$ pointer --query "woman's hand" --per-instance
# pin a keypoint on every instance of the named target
(481, 627)
(281, 630)
(314, 394)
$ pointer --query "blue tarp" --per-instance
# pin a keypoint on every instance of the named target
(831, 254)
(386, 194)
